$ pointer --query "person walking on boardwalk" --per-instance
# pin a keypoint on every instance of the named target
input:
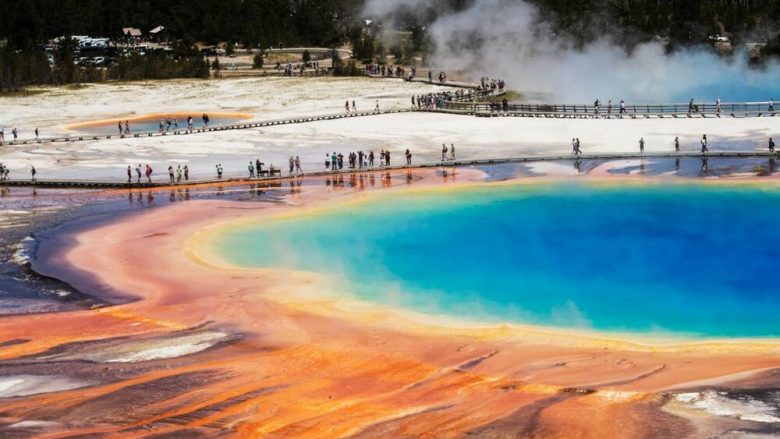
(327, 162)
(298, 169)
(138, 172)
(219, 171)
(717, 106)
(377, 106)
(387, 158)
(771, 106)
(354, 107)
(346, 106)
(170, 173)
(609, 107)
(127, 127)
(334, 162)
(704, 144)
(676, 144)
(119, 124)
(771, 145)
(292, 164)
(251, 170)
(577, 146)
(178, 174)
(33, 172)
(641, 145)
(129, 174)
(622, 106)
(258, 166)
(452, 151)
(573, 145)
(186, 173)
(36, 133)
(408, 158)
(443, 152)
(371, 158)
(15, 132)
(2, 134)
(148, 173)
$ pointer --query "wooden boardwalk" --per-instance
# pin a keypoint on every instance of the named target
(184, 132)
(121, 184)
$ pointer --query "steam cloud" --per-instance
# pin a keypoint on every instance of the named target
(506, 39)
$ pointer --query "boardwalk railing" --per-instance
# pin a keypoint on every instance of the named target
(698, 109)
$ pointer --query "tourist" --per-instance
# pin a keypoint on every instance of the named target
(6, 171)
(676, 144)
(15, 132)
(2, 134)
(127, 127)
(387, 158)
(251, 170)
(412, 101)
(178, 174)
(334, 162)
(298, 169)
(641, 145)
(354, 108)
(327, 161)
(206, 120)
(717, 105)
(408, 158)
(36, 133)
(148, 173)
(609, 107)
(167, 125)
(258, 166)
(596, 105)
(443, 152)
(452, 151)
(129, 174)
(371, 158)
(622, 106)
(704, 144)
(430, 76)
(292, 164)
(346, 106)
(138, 172)
(771, 145)
(381, 157)
(219, 171)
(175, 124)
(577, 146)
(33, 172)
(186, 173)
(690, 106)
(573, 145)
(377, 106)
(161, 126)
(119, 124)
(771, 105)
(190, 125)
(360, 159)
(170, 173)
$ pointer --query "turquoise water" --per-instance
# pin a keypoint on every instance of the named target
(680, 259)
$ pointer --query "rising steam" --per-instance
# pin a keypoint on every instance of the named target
(507, 39)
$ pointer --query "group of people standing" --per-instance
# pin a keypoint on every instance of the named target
(359, 160)
(447, 154)
(147, 171)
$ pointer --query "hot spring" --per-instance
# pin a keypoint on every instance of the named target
(677, 259)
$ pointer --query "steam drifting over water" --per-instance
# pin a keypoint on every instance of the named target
(507, 39)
